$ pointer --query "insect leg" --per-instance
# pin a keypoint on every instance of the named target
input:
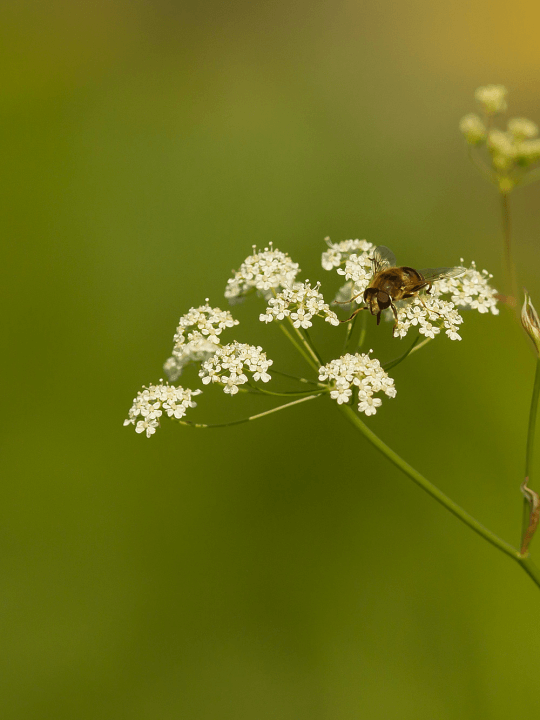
(355, 313)
(346, 302)
(395, 317)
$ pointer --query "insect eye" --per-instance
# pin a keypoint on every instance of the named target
(383, 297)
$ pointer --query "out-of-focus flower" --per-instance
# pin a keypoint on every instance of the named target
(473, 128)
(492, 98)
(522, 128)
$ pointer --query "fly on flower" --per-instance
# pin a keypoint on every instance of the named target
(391, 283)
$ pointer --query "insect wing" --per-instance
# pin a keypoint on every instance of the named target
(383, 258)
(433, 274)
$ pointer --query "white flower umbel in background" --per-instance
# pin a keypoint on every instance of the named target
(197, 337)
(262, 271)
(152, 401)
(301, 304)
(229, 363)
(511, 151)
(361, 372)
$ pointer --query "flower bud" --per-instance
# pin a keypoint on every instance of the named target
(531, 321)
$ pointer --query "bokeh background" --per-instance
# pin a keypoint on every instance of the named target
(280, 569)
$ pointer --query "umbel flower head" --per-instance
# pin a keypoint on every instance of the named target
(152, 401)
(511, 151)
(359, 372)
(262, 271)
(429, 312)
(197, 337)
(301, 304)
(229, 364)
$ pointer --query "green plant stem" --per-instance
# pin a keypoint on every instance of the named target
(524, 560)
(413, 348)
(315, 361)
(482, 168)
(291, 393)
(350, 328)
(252, 417)
(508, 261)
(532, 422)
(300, 349)
(363, 329)
(295, 377)
(529, 452)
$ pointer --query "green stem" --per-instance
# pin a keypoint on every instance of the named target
(482, 168)
(295, 377)
(252, 417)
(413, 348)
(314, 361)
(311, 344)
(529, 452)
(507, 232)
(530, 568)
(350, 328)
(532, 422)
(363, 329)
(291, 393)
(523, 560)
(300, 349)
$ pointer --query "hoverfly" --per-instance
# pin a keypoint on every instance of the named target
(390, 283)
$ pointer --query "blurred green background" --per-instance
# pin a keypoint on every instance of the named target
(281, 569)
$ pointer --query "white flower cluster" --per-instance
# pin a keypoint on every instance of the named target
(301, 304)
(511, 151)
(352, 258)
(362, 372)
(430, 314)
(511, 147)
(197, 337)
(470, 290)
(338, 253)
(234, 359)
(262, 271)
(152, 401)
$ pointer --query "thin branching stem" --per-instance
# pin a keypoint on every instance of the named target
(289, 393)
(299, 347)
(508, 260)
(295, 377)
(524, 560)
(315, 361)
(252, 417)
(415, 346)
